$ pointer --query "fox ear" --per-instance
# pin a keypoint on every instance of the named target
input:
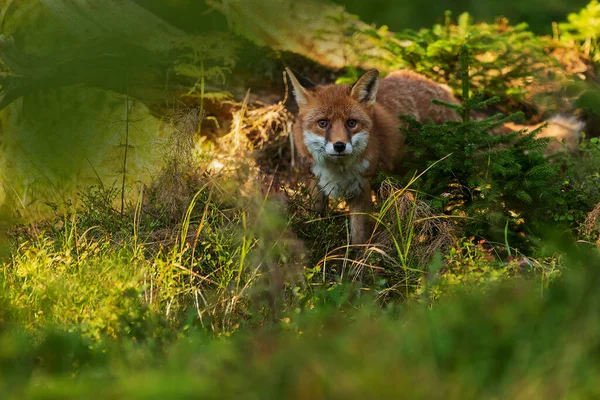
(300, 91)
(365, 88)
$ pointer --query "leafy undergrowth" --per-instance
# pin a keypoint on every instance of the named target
(231, 260)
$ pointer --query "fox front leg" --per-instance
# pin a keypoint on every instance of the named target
(361, 226)
(319, 198)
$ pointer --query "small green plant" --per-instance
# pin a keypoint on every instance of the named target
(485, 177)
(583, 30)
(504, 60)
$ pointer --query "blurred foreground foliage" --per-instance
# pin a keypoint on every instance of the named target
(506, 341)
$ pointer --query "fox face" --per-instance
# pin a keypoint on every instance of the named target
(336, 119)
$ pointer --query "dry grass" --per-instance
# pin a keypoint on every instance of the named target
(591, 226)
(407, 237)
(266, 129)
(269, 132)
(416, 223)
(172, 190)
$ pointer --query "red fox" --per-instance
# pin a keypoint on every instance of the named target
(349, 133)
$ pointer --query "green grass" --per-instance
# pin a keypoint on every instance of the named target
(508, 341)
(226, 306)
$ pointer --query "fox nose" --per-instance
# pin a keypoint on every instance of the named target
(339, 146)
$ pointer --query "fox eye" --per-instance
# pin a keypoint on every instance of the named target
(323, 123)
(351, 123)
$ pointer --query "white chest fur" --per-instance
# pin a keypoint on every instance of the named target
(341, 180)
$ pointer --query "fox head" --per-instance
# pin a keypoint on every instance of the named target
(336, 119)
